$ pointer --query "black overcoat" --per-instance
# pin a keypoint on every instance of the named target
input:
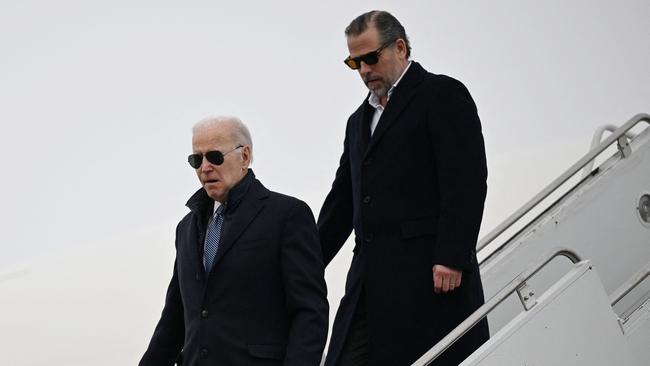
(265, 300)
(413, 193)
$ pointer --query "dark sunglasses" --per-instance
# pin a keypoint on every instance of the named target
(369, 58)
(214, 157)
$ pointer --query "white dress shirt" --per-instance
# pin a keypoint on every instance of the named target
(379, 109)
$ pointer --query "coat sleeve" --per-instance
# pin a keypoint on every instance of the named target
(167, 340)
(336, 215)
(459, 149)
(305, 288)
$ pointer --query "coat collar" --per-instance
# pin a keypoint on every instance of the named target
(402, 95)
(200, 201)
(236, 221)
(249, 202)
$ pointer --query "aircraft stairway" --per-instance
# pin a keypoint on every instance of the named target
(593, 309)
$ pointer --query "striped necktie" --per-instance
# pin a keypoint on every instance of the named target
(212, 239)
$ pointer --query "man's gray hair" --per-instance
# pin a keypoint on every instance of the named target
(388, 27)
(240, 134)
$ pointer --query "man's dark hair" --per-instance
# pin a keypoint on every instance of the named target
(388, 27)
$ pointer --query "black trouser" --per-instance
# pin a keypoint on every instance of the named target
(355, 349)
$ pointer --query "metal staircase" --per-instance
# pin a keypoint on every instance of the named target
(593, 309)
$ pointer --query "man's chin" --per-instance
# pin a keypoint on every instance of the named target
(215, 194)
(379, 92)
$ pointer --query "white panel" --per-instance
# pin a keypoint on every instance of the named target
(598, 220)
(637, 332)
(572, 325)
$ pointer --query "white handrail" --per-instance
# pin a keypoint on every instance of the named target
(633, 282)
(497, 299)
(595, 141)
(561, 179)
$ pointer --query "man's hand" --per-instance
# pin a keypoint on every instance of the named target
(445, 279)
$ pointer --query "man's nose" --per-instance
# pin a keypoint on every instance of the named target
(206, 166)
(364, 68)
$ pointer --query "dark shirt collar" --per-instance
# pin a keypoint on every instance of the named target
(238, 191)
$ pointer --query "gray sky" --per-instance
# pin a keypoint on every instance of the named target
(98, 99)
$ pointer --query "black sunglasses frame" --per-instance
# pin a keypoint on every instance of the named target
(369, 58)
(214, 157)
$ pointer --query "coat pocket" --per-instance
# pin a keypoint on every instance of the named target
(270, 351)
(418, 227)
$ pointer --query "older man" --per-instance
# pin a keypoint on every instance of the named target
(411, 183)
(248, 286)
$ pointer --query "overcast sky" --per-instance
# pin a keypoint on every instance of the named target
(98, 100)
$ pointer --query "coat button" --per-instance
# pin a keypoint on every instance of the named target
(368, 238)
(204, 314)
(198, 278)
(204, 352)
(367, 162)
(366, 199)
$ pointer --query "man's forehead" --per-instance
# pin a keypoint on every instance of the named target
(367, 41)
(211, 137)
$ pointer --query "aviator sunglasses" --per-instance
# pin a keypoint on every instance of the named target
(369, 58)
(214, 157)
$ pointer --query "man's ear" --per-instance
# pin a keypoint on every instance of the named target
(400, 45)
(246, 157)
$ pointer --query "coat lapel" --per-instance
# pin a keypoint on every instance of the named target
(400, 98)
(237, 222)
(201, 205)
(366, 116)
